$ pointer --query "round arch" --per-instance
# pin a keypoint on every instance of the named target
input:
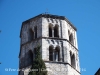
(56, 31)
(51, 47)
(50, 29)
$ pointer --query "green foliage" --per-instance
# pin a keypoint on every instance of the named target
(38, 66)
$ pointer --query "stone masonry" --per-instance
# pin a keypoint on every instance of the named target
(58, 40)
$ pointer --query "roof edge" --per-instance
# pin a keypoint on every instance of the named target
(51, 16)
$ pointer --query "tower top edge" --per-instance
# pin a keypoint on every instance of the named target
(50, 16)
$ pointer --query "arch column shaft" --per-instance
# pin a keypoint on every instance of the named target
(52, 32)
(60, 56)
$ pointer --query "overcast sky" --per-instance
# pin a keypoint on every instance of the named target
(83, 14)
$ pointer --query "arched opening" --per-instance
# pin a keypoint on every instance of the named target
(29, 57)
(50, 31)
(57, 54)
(35, 28)
(51, 53)
(72, 58)
(71, 38)
(31, 35)
(56, 33)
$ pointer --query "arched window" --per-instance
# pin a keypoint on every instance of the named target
(71, 38)
(50, 31)
(31, 35)
(35, 28)
(29, 57)
(72, 59)
(56, 31)
(57, 54)
(51, 53)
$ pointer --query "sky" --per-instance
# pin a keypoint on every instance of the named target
(83, 14)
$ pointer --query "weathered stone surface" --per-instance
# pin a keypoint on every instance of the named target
(62, 67)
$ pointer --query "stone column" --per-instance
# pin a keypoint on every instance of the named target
(52, 32)
(53, 54)
(60, 54)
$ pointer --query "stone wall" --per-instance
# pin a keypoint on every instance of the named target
(59, 68)
(31, 25)
(62, 67)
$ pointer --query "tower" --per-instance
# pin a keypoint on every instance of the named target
(58, 40)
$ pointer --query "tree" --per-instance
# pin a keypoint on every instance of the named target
(38, 64)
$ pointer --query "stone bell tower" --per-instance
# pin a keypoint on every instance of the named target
(58, 40)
